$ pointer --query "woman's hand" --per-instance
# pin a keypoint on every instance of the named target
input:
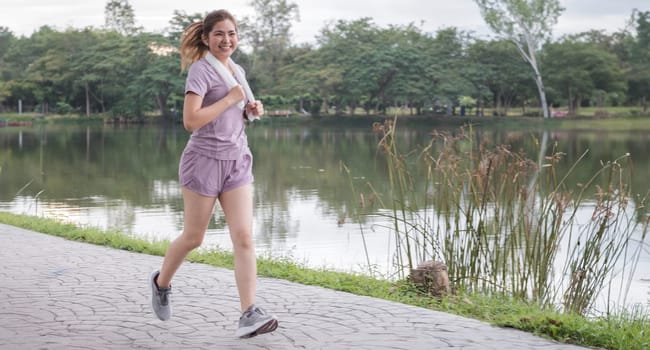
(196, 116)
(235, 95)
(255, 108)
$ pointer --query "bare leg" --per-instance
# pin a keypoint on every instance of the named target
(196, 216)
(237, 206)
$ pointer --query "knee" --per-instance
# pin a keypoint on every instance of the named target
(242, 240)
(192, 240)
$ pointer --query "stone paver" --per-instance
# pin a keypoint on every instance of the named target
(60, 294)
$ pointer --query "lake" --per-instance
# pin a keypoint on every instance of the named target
(309, 177)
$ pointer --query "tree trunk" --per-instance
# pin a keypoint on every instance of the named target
(507, 103)
(499, 105)
(600, 100)
(352, 107)
(574, 104)
(542, 93)
(162, 104)
(87, 100)
(530, 57)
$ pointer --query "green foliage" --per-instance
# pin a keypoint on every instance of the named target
(501, 77)
(467, 101)
(639, 53)
(64, 108)
(355, 65)
(354, 68)
(311, 103)
(274, 102)
(581, 70)
(611, 332)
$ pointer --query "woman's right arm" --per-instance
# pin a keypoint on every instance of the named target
(194, 117)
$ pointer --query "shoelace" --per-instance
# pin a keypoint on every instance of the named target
(164, 295)
(254, 309)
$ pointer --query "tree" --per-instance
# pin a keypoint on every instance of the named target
(447, 75)
(373, 66)
(357, 67)
(88, 79)
(526, 23)
(500, 70)
(51, 53)
(119, 16)
(161, 77)
(327, 72)
(306, 77)
(419, 67)
(179, 22)
(583, 71)
(269, 35)
(6, 39)
(354, 67)
(639, 75)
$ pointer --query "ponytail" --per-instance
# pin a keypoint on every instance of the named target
(192, 47)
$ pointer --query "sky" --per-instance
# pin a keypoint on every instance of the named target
(24, 17)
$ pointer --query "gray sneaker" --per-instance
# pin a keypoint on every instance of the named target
(160, 298)
(255, 321)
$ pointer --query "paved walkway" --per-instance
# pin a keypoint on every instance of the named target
(59, 294)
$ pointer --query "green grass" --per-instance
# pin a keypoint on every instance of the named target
(617, 118)
(74, 117)
(621, 111)
(16, 116)
(609, 124)
(40, 118)
(629, 331)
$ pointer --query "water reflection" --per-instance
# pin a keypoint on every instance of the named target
(306, 203)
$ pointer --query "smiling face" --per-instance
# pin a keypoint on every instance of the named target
(222, 40)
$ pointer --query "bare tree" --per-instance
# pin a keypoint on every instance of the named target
(526, 23)
(119, 16)
(269, 35)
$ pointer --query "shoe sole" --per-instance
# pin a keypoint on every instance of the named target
(268, 327)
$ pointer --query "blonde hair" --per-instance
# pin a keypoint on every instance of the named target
(192, 46)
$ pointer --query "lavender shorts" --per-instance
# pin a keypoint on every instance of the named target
(211, 177)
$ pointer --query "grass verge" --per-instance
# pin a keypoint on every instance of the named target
(626, 331)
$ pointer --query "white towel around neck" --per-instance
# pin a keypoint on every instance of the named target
(230, 80)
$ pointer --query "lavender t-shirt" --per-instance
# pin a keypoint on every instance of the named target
(224, 136)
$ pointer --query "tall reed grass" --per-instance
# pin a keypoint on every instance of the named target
(504, 223)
